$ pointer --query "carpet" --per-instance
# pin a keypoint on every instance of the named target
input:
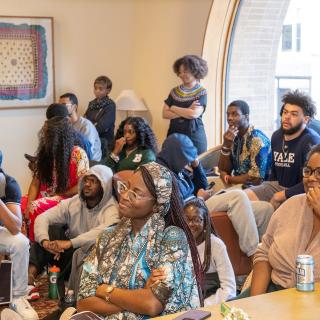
(43, 306)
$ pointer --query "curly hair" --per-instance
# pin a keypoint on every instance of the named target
(196, 65)
(145, 136)
(300, 99)
(175, 217)
(57, 138)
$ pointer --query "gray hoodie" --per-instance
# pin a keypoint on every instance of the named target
(84, 224)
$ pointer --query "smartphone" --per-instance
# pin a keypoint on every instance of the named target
(210, 185)
(194, 315)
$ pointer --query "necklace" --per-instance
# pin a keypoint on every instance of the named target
(285, 149)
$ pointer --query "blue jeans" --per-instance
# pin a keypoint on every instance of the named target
(17, 247)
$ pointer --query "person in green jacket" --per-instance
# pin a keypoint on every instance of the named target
(135, 145)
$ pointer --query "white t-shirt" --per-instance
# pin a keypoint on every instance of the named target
(221, 264)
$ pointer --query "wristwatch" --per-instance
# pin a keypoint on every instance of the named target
(109, 289)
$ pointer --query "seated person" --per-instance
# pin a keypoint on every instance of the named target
(178, 152)
(294, 229)
(85, 216)
(219, 279)
(83, 125)
(245, 155)
(290, 146)
(135, 145)
(15, 244)
(59, 165)
(151, 235)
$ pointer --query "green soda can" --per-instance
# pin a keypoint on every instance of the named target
(53, 285)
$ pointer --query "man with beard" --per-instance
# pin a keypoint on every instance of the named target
(289, 145)
(84, 216)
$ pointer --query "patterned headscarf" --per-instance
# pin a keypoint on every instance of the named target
(150, 236)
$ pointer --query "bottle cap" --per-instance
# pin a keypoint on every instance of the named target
(54, 269)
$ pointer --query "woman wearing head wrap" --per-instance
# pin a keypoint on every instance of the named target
(152, 235)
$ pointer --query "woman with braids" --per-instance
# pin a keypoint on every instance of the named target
(59, 166)
(219, 279)
(135, 145)
(187, 102)
(118, 279)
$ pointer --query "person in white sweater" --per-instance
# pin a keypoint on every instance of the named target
(85, 215)
(219, 278)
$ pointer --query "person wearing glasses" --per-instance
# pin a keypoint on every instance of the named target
(293, 229)
(118, 278)
(82, 124)
(85, 216)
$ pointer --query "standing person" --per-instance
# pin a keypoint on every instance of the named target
(82, 124)
(102, 113)
(245, 155)
(219, 278)
(59, 165)
(135, 145)
(151, 235)
(289, 145)
(187, 102)
(16, 245)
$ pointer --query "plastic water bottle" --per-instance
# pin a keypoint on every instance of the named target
(53, 285)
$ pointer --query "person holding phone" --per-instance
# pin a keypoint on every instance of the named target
(135, 145)
(187, 102)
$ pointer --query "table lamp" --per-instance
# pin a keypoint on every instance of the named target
(128, 101)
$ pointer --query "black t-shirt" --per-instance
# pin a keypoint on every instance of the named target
(288, 159)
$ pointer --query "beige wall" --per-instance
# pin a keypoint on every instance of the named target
(133, 41)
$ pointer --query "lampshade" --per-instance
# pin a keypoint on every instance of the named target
(129, 101)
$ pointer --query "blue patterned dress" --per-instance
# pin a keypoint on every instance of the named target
(134, 262)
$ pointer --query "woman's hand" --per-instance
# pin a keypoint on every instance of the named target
(156, 276)
(313, 199)
(119, 146)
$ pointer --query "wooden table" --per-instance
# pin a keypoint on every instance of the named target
(280, 305)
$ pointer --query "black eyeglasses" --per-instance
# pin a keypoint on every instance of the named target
(307, 172)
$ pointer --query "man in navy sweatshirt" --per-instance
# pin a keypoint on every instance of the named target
(289, 145)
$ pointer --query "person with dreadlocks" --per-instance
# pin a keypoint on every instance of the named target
(135, 145)
(59, 165)
(219, 278)
(152, 234)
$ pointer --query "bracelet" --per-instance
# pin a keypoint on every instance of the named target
(225, 148)
(225, 153)
(114, 157)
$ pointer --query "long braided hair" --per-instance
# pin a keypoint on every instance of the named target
(208, 228)
(174, 217)
(56, 141)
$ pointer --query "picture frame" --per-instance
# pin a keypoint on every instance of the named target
(26, 62)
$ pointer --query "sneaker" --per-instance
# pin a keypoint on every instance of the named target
(67, 314)
(8, 314)
(23, 308)
(33, 293)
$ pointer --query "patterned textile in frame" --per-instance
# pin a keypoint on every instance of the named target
(23, 53)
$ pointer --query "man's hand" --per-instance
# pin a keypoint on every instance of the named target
(313, 199)
(195, 163)
(156, 276)
(61, 245)
(278, 198)
(205, 194)
(229, 136)
(49, 246)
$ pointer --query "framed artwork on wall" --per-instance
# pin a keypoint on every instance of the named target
(26, 62)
